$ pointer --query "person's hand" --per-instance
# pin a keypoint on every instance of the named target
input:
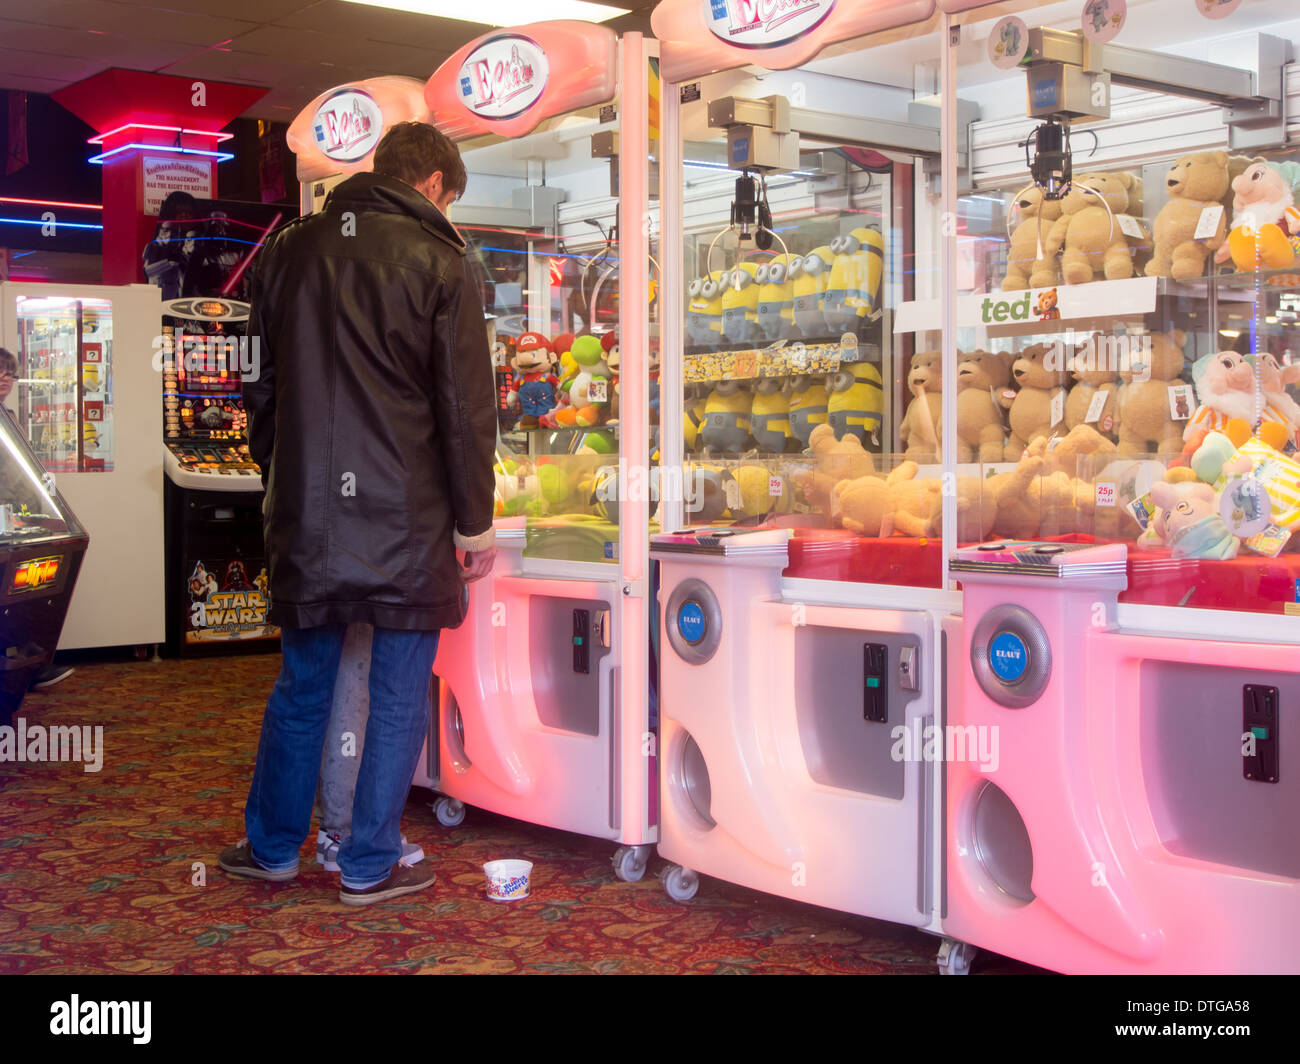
(477, 564)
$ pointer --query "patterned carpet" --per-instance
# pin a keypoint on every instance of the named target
(97, 870)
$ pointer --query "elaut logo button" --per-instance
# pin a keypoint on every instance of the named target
(690, 622)
(1008, 657)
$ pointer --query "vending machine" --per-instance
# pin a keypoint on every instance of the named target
(89, 401)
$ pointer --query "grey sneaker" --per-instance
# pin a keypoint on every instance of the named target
(328, 844)
(403, 879)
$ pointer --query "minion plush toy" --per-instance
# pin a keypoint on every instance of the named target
(693, 419)
(704, 312)
(740, 304)
(726, 418)
(841, 287)
(770, 416)
(807, 406)
(867, 247)
(856, 400)
(809, 290)
(774, 313)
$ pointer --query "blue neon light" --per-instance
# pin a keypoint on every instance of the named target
(220, 156)
(57, 225)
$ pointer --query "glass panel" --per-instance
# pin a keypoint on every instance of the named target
(30, 509)
(1128, 306)
(65, 381)
(795, 405)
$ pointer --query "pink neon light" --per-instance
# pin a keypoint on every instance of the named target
(234, 277)
(162, 129)
(52, 203)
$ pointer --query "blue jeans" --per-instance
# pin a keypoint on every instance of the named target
(278, 814)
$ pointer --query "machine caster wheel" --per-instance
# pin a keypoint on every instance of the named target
(955, 957)
(680, 883)
(450, 812)
(630, 862)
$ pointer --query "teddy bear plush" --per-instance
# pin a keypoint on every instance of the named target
(837, 460)
(1016, 513)
(1078, 456)
(1094, 374)
(881, 506)
(1028, 265)
(1145, 421)
(981, 375)
(1087, 236)
(1195, 182)
(1040, 382)
(919, 431)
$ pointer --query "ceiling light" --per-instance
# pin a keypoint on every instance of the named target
(503, 12)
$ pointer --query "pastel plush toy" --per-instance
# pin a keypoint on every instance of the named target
(1225, 390)
(740, 304)
(1145, 421)
(704, 311)
(533, 386)
(1087, 235)
(808, 406)
(1192, 526)
(774, 313)
(1094, 375)
(770, 417)
(1219, 461)
(856, 400)
(1265, 223)
(1195, 183)
(809, 291)
(609, 343)
(726, 418)
(1279, 407)
(1042, 388)
(867, 246)
(920, 428)
(839, 299)
(1028, 265)
(981, 435)
(590, 392)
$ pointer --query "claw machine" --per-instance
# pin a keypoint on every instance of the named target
(1125, 254)
(801, 570)
(88, 398)
(543, 713)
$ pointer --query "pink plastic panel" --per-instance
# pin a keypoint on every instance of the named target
(399, 99)
(580, 71)
(690, 47)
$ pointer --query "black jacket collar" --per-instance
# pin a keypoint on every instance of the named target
(376, 192)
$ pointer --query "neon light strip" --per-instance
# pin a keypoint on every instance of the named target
(52, 203)
(163, 129)
(234, 277)
(220, 156)
(57, 225)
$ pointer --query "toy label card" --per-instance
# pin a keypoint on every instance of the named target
(1130, 226)
(1142, 509)
(1106, 494)
(597, 392)
(775, 486)
(1058, 407)
(1208, 224)
(1180, 401)
(1097, 405)
(1269, 542)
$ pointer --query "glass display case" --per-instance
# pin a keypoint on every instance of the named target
(65, 385)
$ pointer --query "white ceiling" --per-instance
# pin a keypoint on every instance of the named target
(294, 48)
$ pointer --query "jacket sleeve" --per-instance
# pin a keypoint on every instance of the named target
(464, 408)
(259, 382)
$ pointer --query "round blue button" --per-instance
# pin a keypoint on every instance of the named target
(1008, 657)
(690, 622)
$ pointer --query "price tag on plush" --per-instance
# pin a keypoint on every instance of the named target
(775, 486)
(1208, 224)
(1106, 494)
(1130, 226)
(1097, 405)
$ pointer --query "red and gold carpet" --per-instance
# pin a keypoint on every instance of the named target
(115, 871)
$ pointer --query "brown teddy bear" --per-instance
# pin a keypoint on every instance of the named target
(1015, 511)
(1145, 421)
(1088, 232)
(881, 506)
(1028, 265)
(919, 431)
(1046, 308)
(1094, 372)
(981, 375)
(1079, 456)
(837, 460)
(1040, 381)
(1195, 182)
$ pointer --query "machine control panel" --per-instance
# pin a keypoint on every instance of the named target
(1259, 721)
(875, 682)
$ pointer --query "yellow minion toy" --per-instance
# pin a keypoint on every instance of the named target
(856, 400)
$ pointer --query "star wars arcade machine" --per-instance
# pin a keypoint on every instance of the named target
(1133, 643)
(803, 595)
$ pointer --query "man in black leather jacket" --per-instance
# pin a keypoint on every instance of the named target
(372, 414)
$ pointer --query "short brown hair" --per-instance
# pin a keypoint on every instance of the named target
(8, 362)
(414, 151)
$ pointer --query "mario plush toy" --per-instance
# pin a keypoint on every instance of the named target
(534, 383)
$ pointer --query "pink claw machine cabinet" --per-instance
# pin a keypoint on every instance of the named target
(88, 399)
(544, 713)
(802, 567)
(1131, 645)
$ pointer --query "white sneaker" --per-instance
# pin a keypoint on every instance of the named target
(328, 844)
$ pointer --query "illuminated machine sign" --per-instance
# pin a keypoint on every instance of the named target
(207, 309)
(348, 125)
(34, 574)
(503, 77)
(764, 23)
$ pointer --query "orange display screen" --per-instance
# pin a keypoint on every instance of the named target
(35, 573)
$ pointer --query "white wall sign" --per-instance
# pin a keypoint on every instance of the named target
(348, 125)
(989, 310)
(763, 23)
(503, 76)
(164, 174)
